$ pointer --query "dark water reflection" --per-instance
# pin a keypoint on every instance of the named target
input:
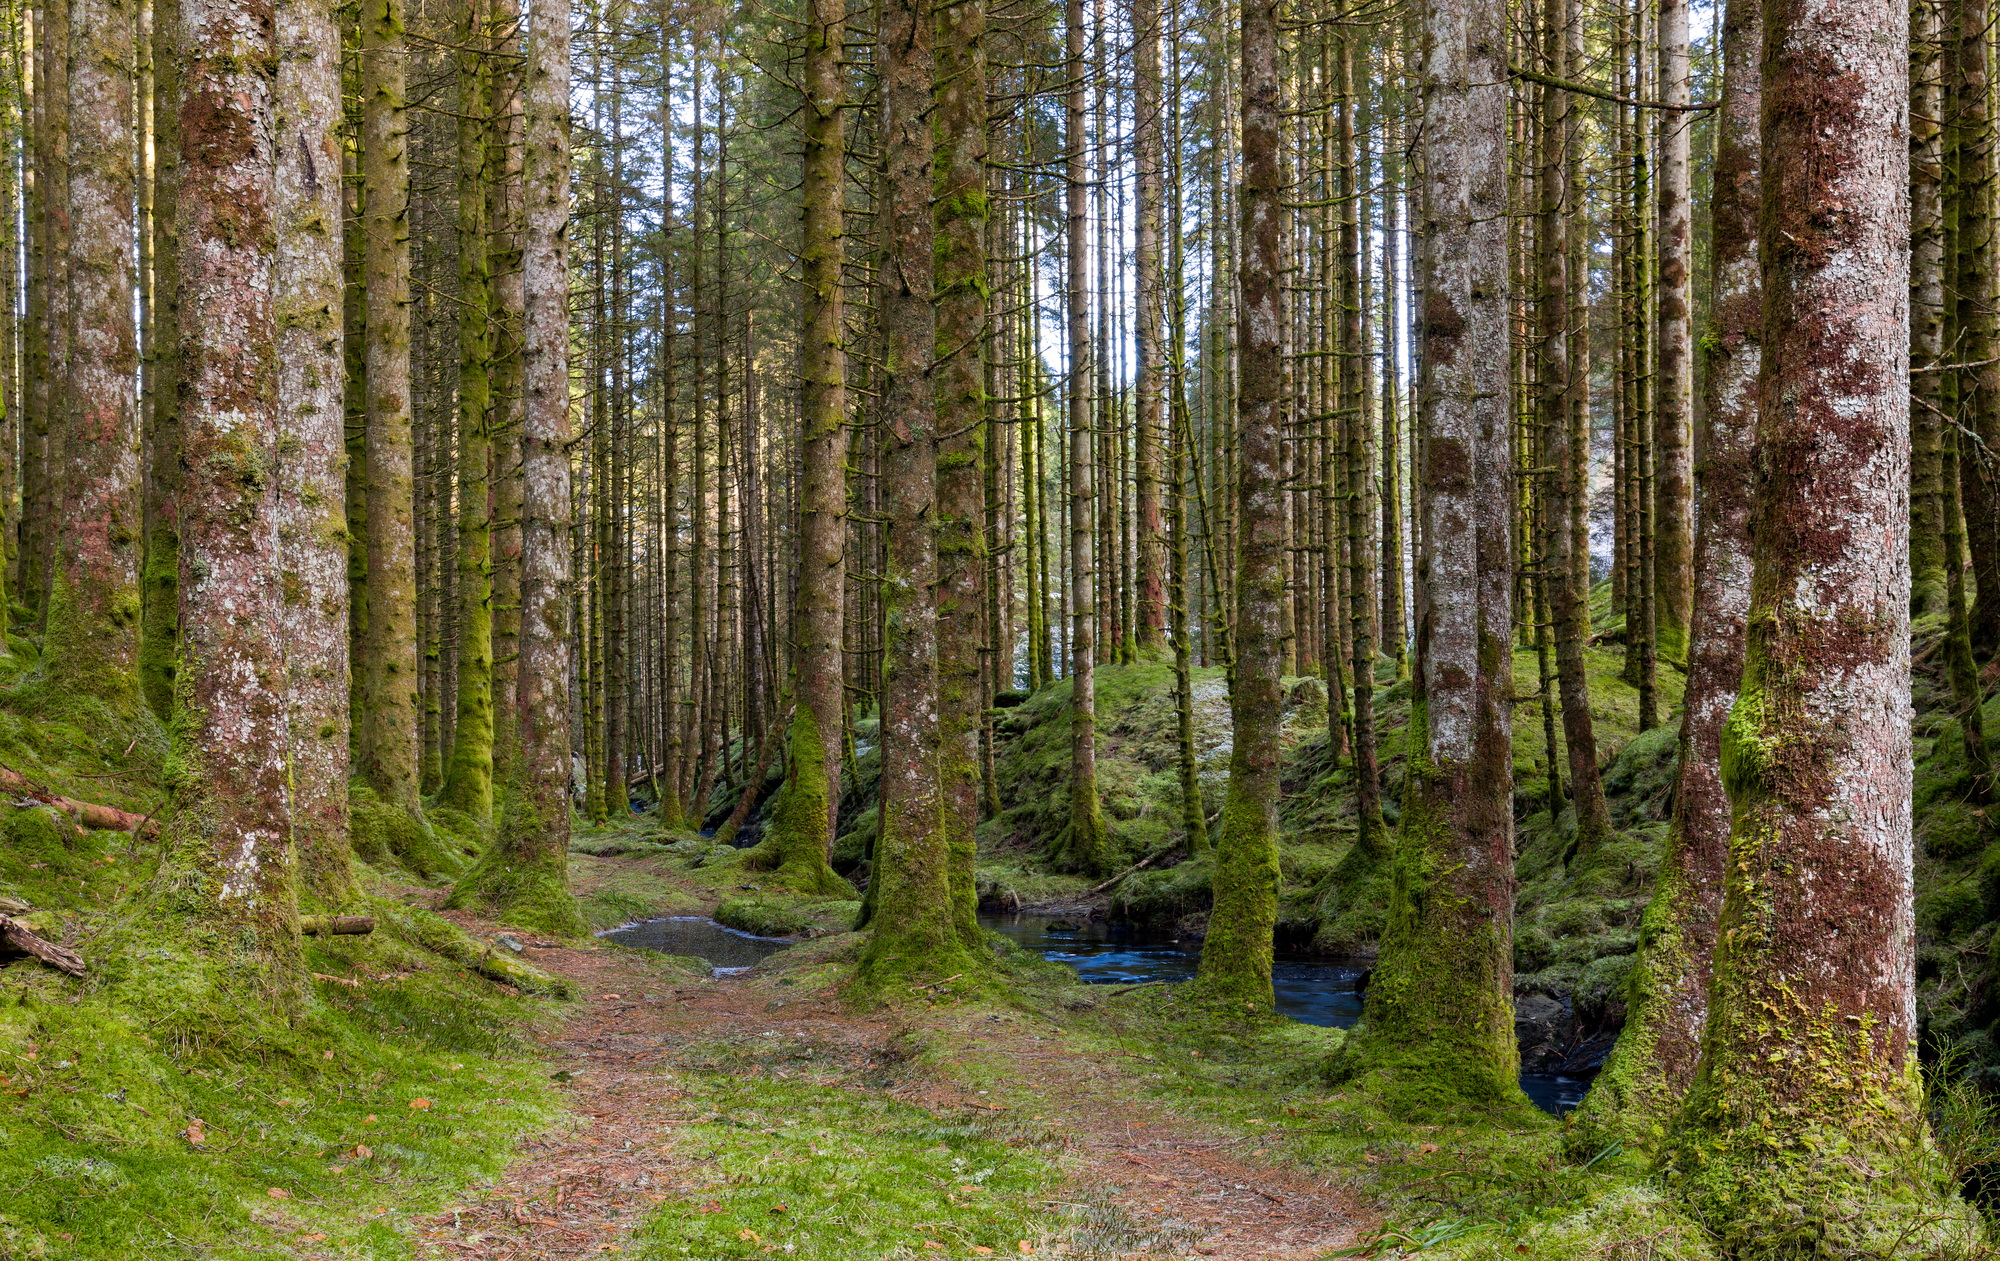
(1311, 989)
(726, 949)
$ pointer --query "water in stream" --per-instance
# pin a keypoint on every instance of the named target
(726, 949)
(1311, 989)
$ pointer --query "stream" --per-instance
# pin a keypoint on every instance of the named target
(1311, 989)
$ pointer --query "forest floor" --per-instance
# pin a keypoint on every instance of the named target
(981, 1130)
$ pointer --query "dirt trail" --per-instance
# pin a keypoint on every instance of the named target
(581, 1188)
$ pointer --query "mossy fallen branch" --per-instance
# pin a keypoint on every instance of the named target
(336, 925)
(17, 937)
(88, 814)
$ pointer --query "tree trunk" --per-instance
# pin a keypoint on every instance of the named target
(388, 748)
(229, 847)
(914, 933)
(1439, 1031)
(1085, 844)
(1563, 485)
(960, 279)
(1653, 1065)
(1927, 554)
(159, 576)
(1673, 452)
(803, 825)
(1811, 1039)
(1150, 613)
(312, 520)
(1236, 954)
(525, 872)
(1976, 328)
(92, 644)
(468, 781)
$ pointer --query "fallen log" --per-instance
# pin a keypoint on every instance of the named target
(88, 814)
(336, 925)
(17, 937)
(1141, 865)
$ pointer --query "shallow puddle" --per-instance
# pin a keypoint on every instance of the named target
(727, 950)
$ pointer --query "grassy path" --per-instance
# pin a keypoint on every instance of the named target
(758, 1115)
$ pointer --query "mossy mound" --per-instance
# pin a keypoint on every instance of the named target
(388, 837)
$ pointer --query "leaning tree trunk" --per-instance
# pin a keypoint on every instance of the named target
(1808, 1094)
(1085, 844)
(1651, 1068)
(228, 869)
(960, 280)
(312, 464)
(1439, 1026)
(525, 872)
(913, 933)
(801, 830)
(1236, 954)
(92, 645)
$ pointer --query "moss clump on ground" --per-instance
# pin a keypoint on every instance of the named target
(388, 837)
(231, 1137)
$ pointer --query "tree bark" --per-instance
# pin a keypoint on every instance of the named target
(1810, 1046)
(1927, 260)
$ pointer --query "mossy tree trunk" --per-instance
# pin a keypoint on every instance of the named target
(1358, 423)
(801, 830)
(503, 222)
(388, 753)
(468, 780)
(1653, 1064)
(48, 309)
(1976, 324)
(1438, 1033)
(1564, 467)
(524, 874)
(1236, 954)
(1927, 256)
(913, 933)
(92, 648)
(1673, 364)
(312, 520)
(229, 872)
(1150, 612)
(159, 576)
(961, 288)
(1803, 1131)
(1085, 842)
